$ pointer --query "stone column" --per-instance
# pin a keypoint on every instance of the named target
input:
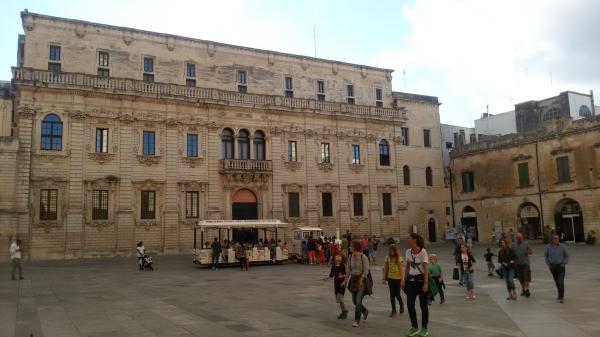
(125, 223)
(171, 215)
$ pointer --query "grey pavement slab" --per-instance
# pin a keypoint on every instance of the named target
(110, 297)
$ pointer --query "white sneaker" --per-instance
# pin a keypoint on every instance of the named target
(355, 325)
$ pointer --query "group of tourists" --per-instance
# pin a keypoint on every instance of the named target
(514, 262)
(354, 273)
(322, 250)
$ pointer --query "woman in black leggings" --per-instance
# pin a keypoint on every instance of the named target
(416, 283)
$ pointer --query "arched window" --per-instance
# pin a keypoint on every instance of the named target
(52, 131)
(428, 177)
(384, 153)
(259, 145)
(227, 144)
(243, 143)
(406, 172)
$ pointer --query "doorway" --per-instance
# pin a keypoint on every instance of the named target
(569, 220)
(244, 207)
(469, 222)
(529, 221)
(431, 228)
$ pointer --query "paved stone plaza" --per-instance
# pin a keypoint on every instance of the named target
(110, 297)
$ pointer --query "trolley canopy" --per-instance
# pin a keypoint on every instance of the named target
(229, 224)
(308, 229)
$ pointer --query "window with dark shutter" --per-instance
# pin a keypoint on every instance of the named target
(48, 204)
(386, 200)
(562, 168)
(468, 182)
(147, 205)
(294, 204)
(100, 205)
(357, 199)
(523, 170)
(192, 204)
(327, 203)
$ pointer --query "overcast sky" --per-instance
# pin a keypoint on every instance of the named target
(469, 53)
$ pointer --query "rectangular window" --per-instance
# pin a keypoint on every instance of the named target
(405, 136)
(327, 203)
(100, 205)
(103, 59)
(192, 145)
(148, 65)
(149, 78)
(54, 53)
(386, 200)
(101, 140)
(294, 204)
(54, 67)
(350, 93)
(325, 157)
(292, 151)
(48, 204)
(190, 70)
(103, 72)
(289, 87)
(447, 210)
(523, 170)
(357, 199)
(378, 98)
(190, 82)
(147, 205)
(562, 168)
(242, 86)
(355, 154)
(320, 90)
(468, 182)
(426, 138)
(192, 204)
(148, 143)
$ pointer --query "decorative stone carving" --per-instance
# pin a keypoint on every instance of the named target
(335, 68)
(148, 160)
(192, 161)
(27, 112)
(190, 223)
(363, 72)
(521, 157)
(397, 140)
(80, 30)
(147, 224)
(325, 167)
(310, 133)
(292, 165)
(371, 138)
(100, 225)
(561, 150)
(127, 37)
(357, 168)
(171, 122)
(211, 49)
(213, 126)
(101, 157)
(47, 226)
(170, 43)
(270, 59)
(78, 115)
(126, 117)
(304, 63)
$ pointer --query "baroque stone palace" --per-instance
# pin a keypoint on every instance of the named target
(120, 135)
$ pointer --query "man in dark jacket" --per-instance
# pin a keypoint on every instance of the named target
(216, 253)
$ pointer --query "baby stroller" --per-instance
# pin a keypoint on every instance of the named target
(147, 262)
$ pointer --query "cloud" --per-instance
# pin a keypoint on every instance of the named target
(473, 53)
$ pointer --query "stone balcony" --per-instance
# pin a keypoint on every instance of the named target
(243, 165)
(126, 86)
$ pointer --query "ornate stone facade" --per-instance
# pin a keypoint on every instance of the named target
(151, 157)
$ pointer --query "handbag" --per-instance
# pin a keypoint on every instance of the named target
(455, 274)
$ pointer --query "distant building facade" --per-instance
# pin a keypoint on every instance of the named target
(120, 135)
(547, 178)
(496, 125)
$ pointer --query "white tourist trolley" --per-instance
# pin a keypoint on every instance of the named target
(303, 233)
(239, 230)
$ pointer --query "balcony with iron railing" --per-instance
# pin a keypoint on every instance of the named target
(246, 165)
(114, 85)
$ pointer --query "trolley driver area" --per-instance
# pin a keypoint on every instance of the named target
(262, 239)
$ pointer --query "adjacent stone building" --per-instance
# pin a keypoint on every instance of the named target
(122, 135)
(532, 182)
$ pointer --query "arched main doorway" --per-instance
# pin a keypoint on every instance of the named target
(431, 228)
(244, 207)
(569, 220)
(469, 222)
(529, 221)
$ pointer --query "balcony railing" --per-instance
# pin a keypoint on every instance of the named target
(246, 165)
(114, 85)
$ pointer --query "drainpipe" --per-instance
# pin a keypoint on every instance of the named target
(537, 167)
(452, 192)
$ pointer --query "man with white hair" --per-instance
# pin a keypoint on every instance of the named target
(15, 257)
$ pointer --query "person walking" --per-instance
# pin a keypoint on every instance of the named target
(557, 257)
(15, 258)
(507, 258)
(459, 242)
(311, 245)
(490, 264)
(466, 261)
(141, 251)
(437, 275)
(240, 254)
(416, 284)
(338, 274)
(358, 271)
(392, 274)
(216, 249)
(523, 269)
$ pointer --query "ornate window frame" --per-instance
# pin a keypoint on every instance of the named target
(113, 140)
(292, 165)
(159, 142)
(37, 135)
(329, 166)
(364, 190)
(192, 186)
(148, 185)
(202, 143)
(42, 183)
(393, 191)
(334, 190)
(392, 153)
(364, 155)
(111, 184)
(301, 190)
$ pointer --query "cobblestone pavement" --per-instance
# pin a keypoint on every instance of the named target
(110, 297)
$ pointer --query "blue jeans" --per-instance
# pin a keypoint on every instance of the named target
(558, 273)
(509, 275)
(469, 281)
(357, 298)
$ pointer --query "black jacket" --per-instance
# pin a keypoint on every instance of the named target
(469, 264)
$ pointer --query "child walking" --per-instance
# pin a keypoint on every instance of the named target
(488, 259)
(466, 260)
(392, 274)
(437, 275)
(338, 274)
